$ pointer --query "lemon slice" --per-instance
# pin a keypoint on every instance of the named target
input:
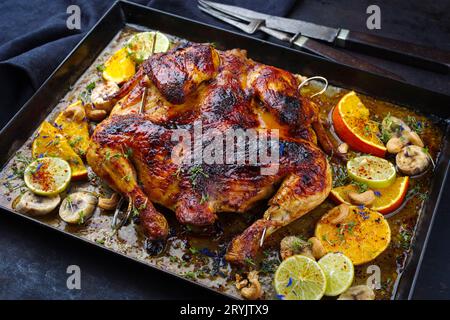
(47, 176)
(300, 278)
(144, 44)
(339, 272)
(375, 172)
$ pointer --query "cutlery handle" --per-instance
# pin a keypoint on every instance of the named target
(404, 52)
(341, 57)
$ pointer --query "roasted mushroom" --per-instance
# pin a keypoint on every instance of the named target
(34, 205)
(412, 160)
(361, 292)
(292, 245)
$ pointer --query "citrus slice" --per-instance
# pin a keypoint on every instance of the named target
(47, 176)
(300, 278)
(373, 171)
(362, 235)
(74, 128)
(352, 124)
(119, 67)
(50, 142)
(144, 44)
(339, 272)
(387, 199)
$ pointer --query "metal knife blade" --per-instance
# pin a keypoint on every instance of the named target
(295, 26)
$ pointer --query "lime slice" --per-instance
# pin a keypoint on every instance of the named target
(300, 278)
(339, 272)
(375, 172)
(47, 176)
(144, 44)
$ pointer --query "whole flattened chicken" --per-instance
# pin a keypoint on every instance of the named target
(132, 150)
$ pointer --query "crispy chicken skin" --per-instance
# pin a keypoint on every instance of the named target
(195, 83)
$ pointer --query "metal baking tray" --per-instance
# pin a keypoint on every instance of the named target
(122, 13)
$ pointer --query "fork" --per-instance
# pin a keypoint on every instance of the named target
(250, 26)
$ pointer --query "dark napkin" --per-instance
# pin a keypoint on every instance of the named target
(35, 39)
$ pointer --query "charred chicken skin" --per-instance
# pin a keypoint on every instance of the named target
(133, 151)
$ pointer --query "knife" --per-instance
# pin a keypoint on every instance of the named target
(404, 52)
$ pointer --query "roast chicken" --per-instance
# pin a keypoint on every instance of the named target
(132, 150)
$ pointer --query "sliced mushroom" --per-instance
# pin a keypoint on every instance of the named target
(101, 94)
(412, 160)
(365, 198)
(34, 205)
(109, 203)
(75, 112)
(338, 213)
(250, 288)
(95, 114)
(292, 245)
(317, 248)
(77, 207)
(361, 292)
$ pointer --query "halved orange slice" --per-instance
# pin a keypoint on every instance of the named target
(387, 199)
(352, 124)
(120, 67)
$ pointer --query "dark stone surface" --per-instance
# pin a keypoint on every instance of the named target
(33, 261)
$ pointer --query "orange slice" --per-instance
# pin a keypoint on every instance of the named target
(362, 235)
(387, 199)
(120, 67)
(50, 142)
(352, 124)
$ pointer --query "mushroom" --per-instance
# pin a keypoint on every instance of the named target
(94, 114)
(365, 198)
(250, 288)
(393, 127)
(338, 213)
(395, 144)
(101, 94)
(317, 248)
(77, 207)
(109, 203)
(414, 139)
(412, 160)
(292, 245)
(76, 112)
(361, 292)
(343, 148)
(34, 205)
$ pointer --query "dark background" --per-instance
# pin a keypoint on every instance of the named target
(34, 40)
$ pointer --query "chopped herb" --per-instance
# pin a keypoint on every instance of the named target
(190, 275)
(100, 67)
(193, 250)
(85, 96)
(415, 125)
(362, 187)
(128, 153)
(100, 240)
(75, 141)
(340, 176)
(405, 238)
(195, 172)
(204, 198)
(249, 261)
(81, 219)
(127, 178)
